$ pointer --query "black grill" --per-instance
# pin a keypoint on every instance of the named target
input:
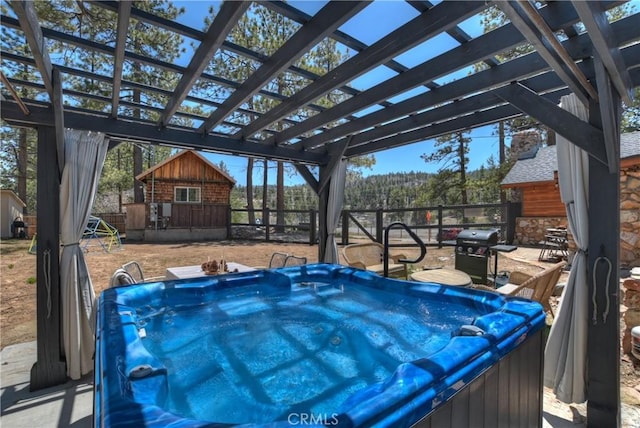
(472, 252)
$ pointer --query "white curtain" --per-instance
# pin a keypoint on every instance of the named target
(334, 207)
(84, 157)
(565, 357)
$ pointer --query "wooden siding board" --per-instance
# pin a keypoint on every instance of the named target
(477, 403)
(491, 396)
(503, 394)
(460, 409)
(542, 200)
(442, 418)
(487, 401)
(512, 397)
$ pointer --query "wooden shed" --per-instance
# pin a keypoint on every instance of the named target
(186, 198)
(11, 209)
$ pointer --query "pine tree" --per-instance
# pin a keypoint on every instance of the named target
(451, 152)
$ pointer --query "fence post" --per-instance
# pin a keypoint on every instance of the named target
(439, 226)
(229, 235)
(379, 225)
(345, 227)
(265, 221)
(514, 210)
(312, 226)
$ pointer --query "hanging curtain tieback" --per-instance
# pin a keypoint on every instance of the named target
(71, 244)
(605, 312)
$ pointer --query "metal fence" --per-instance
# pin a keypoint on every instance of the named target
(435, 225)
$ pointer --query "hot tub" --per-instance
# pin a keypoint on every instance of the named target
(317, 345)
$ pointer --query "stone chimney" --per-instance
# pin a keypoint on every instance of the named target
(524, 141)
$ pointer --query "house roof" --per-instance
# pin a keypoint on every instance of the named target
(11, 194)
(143, 176)
(541, 166)
(538, 168)
(630, 145)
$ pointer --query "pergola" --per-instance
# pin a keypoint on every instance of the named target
(575, 50)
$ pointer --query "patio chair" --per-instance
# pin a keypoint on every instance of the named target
(277, 260)
(292, 260)
(538, 287)
(369, 256)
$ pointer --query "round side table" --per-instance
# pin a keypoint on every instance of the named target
(443, 276)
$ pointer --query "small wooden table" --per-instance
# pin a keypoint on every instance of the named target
(181, 272)
(443, 276)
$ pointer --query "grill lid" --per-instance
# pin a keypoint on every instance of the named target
(477, 237)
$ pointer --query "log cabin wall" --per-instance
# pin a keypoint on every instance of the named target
(210, 193)
(542, 199)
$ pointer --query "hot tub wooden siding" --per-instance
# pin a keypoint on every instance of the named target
(508, 394)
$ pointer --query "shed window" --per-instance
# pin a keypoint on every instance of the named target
(187, 194)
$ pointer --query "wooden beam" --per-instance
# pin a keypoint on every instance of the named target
(172, 67)
(222, 24)
(49, 368)
(609, 115)
(469, 121)
(14, 94)
(584, 135)
(336, 152)
(195, 34)
(472, 52)
(456, 108)
(524, 66)
(603, 333)
(28, 19)
(286, 9)
(519, 68)
(604, 42)
(330, 17)
(308, 176)
(557, 47)
(516, 12)
(58, 117)
(409, 35)
(124, 13)
(151, 134)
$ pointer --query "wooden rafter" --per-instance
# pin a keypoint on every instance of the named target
(124, 12)
(534, 28)
(409, 35)
(28, 19)
(14, 94)
(472, 52)
(224, 21)
(531, 64)
(582, 134)
(150, 133)
(598, 28)
(324, 22)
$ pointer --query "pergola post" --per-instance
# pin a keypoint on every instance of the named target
(603, 342)
(50, 368)
(323, 204)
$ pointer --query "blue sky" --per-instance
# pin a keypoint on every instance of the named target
(369, 26)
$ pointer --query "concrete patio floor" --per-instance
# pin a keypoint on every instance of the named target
(71, 404)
